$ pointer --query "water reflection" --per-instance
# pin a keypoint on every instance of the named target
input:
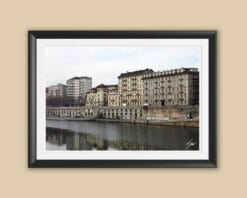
(86, 135)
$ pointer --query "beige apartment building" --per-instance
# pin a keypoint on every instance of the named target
(102, 95)
(58, 90)
(78, 86)
(179, 87)
(130, 87)
(113, 99)
(97, 96)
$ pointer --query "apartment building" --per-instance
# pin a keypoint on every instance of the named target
(58, 90)
(97, 96)
(130, 87)
(113, 99)
(179, 87)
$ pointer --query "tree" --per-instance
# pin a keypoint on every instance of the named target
(68, 101)
(60, 101)
(54, 101)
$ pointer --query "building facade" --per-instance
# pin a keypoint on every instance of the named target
(58, 90)
(124, 113)
(179, 87)
(130, 87)
(127, 113)
(77, 87)
(113, 99)
(97, 96)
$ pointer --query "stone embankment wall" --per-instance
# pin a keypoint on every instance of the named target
(178, 113)
(175, 116)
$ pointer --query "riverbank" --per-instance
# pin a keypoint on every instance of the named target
(68, 119)
(180, 123)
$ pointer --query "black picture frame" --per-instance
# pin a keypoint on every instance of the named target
(33, 162)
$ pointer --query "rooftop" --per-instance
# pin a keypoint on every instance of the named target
(57, 85)
(115, 85)
(171, 72)
(101, 86)
(80, 77)
(94, 89)
(135, 73)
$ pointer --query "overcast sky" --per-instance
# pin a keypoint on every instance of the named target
(105, 63)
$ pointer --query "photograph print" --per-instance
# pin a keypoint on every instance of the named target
(121, 99)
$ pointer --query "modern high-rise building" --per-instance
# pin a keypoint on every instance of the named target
(77, 87)
(178, 87)
(58, 90)
(130, 87)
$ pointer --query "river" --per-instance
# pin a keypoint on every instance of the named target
(95, 135)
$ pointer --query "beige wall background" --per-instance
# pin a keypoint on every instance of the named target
(228, 17)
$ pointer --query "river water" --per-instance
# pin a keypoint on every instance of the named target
(93, 135)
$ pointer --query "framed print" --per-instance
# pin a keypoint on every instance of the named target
(122, 99)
